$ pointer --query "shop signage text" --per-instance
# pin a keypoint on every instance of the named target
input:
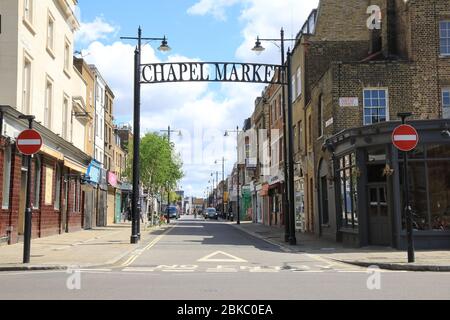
(211, 72)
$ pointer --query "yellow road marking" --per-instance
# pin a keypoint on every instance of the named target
(141, 251)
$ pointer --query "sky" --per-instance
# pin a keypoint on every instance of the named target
(197, 30)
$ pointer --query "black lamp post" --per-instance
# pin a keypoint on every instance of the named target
(28, 209)
(288, 194)
(227, 133)
(135, 203)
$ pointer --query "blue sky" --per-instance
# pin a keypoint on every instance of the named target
(199, 30)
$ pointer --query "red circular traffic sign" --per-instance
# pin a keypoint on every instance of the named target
(29, 142)
(405, 138)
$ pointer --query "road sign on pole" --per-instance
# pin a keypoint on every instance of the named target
(405, 138)
(29, 142)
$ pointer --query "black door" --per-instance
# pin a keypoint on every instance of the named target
(379, 227)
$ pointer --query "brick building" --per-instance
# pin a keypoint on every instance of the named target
(355, 80)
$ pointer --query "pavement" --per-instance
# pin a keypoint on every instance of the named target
(99, 247)
(106, 247)
(383, 257)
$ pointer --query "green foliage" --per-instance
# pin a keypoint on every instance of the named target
(161, 168)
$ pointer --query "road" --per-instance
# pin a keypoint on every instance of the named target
(197, 260)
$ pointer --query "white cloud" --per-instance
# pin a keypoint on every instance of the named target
(215, 7)
(96, 30)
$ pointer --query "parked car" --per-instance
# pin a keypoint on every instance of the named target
(211, 213)
(172, 211)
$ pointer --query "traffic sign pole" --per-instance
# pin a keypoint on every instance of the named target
(407, 209)
(28, 210)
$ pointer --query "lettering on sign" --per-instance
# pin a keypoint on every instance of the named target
(211, 72)
(329, 122)
(349, 102)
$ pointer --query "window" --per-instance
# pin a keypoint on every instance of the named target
(6, 177)
(64, 117)
(37, 181)
(50, 33)
(28, 10)
(348, 190)
(299, 137)
(320, 115)
(26, 86)
(299, 82)
(375, 106)
(445, 37)
(67, 56)
(429, 188)
(57, 203)
(294, 87)
(446, 103)
(48, 103)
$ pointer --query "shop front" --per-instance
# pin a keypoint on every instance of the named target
(366, 181)
(276, 217)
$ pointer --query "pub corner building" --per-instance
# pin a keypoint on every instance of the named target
(361, 191)
(58, 186)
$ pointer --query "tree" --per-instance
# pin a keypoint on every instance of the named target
(161, 167)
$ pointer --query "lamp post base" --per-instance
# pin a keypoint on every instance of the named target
(292, 241)
(134, 239)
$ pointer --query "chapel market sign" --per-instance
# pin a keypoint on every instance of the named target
(211, 72)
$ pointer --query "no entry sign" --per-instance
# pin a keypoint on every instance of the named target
(405, 138)
(29, 142)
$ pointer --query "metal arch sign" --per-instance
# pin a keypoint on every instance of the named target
(211, 72)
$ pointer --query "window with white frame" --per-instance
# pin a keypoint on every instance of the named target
(375, 106)
(48, 103)
(299, 82)
(444, 31)
(6, 177)
(26, 86)
(50, 33)
(64, 117)
(28, 10)
(67, 56)
(446, 103)
(294, 87)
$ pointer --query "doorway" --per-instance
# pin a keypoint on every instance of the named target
(65, 207)
(379, 228)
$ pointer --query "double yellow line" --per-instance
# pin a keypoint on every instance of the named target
(138, 252)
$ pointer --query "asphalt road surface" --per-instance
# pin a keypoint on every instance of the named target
(212, 260)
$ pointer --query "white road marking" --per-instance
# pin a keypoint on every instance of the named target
(231, 258)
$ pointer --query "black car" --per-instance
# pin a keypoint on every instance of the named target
(211, 213)
(172, 211)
